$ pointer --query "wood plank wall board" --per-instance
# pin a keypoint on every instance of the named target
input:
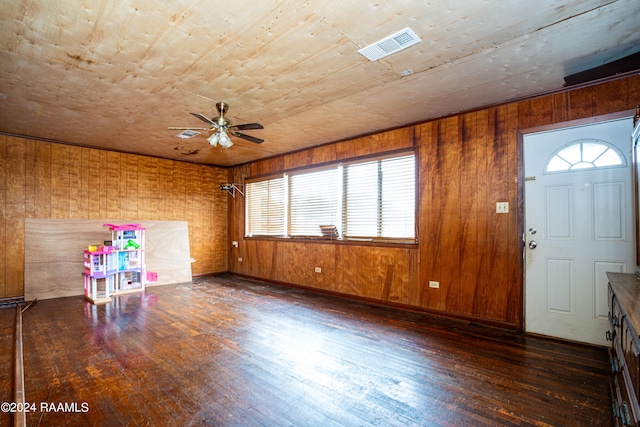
(633, 91)
(598, 100)
(430, 217)
(3, 214)
(43, 164)
(29, 185)
(467, 163)
(14, 214)
(54, 247)
(448, 197)
(322, 154)
(45, 180)
(76, 200)
(473, 200)
(560, 108)
(372, 272)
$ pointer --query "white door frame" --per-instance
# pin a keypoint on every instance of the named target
(520, 321)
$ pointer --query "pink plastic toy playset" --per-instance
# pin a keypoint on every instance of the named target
(116, 267)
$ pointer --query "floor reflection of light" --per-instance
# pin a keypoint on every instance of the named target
(321, 359)
(123, 316)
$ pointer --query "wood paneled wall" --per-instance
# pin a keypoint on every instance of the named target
(57, 181)
(467, 163)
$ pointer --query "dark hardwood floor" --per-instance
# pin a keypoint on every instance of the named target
(232, 352)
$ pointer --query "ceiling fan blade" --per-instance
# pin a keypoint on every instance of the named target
(205, 119)
(247, 137)
(247, 126)
(189, 128)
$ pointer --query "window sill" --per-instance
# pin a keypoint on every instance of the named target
(394, 243)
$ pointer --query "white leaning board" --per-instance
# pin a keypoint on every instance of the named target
(54, 253)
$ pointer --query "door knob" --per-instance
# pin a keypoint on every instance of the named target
(533, 244)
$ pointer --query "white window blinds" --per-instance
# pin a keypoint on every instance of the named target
(398, 197)
(265, 201)
(361, 200)
(313, 202)
(379, 198)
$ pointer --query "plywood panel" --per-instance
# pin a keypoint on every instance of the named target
(217, 221)
(43, 180)
(95, 174)
(60, 191)
(391, 274)
(267, 166)
(30, 185)
(76, 202)
(54, 253)
(537, 111)
(165, 180)
(400, 138)
(323, 154)
(114, 200)
(452, 214)
(296, 160)
(130, 193)
(560, 109)
(633, 95)
(475, 269)
(610, 97)
(146, 178)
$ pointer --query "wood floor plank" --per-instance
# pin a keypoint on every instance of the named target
(227, 351)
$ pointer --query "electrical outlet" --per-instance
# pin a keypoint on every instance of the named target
(318, 270)
(239, 259)
(433, 284)
(502, 207)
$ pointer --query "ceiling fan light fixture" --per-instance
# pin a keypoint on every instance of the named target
(213, 139)
(220, 128)
(224, 140)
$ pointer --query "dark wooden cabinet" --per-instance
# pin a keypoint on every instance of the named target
(624, 352)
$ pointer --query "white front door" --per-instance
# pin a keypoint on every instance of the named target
(578, 226)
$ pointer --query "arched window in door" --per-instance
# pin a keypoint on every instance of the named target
(581, 154)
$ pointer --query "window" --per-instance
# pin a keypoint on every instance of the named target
(266, 216)
(585, 154)
(374, 199)
(379, 198)
(313, 202)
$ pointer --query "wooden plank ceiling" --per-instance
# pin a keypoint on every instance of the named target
(116, 74)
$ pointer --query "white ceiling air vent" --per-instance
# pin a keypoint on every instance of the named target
(187, 134)
(392, 44)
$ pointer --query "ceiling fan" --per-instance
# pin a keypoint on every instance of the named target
(222, 128)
